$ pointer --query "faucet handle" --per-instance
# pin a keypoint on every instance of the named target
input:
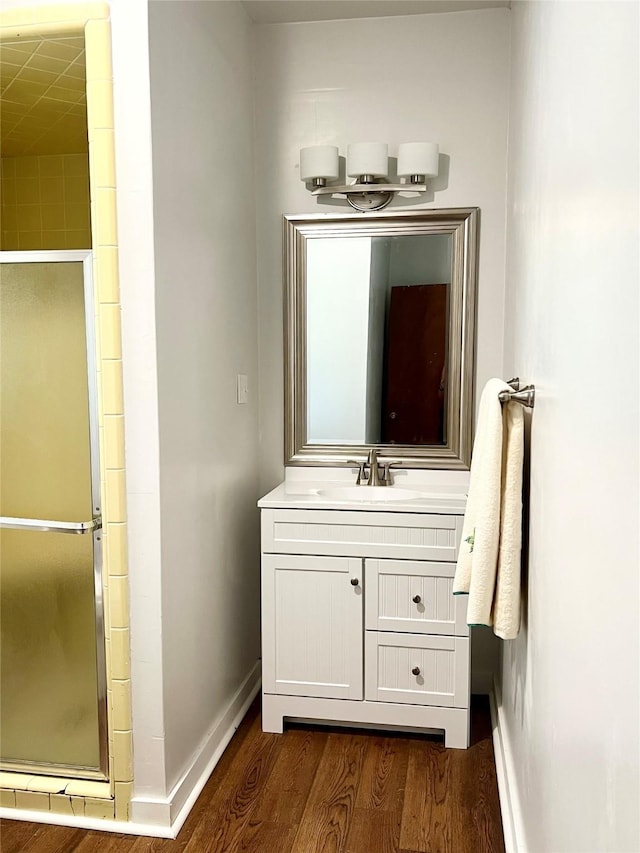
(386, 464)
(360, 467)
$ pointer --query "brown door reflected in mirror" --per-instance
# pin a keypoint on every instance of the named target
(414, 402)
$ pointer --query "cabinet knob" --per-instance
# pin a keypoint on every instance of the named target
(354, 581)
(416, 599)
(416, 670)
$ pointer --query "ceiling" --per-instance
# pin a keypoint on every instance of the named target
(43, 86)
(290, 11)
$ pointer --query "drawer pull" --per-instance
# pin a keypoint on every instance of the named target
(354, 581)
(416, 670)
(416, 599)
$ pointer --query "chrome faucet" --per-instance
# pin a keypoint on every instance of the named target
(379, 472)
(374, 470)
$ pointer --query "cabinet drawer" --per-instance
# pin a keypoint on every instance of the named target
(393, 586)
(361, 534)
(443, 664)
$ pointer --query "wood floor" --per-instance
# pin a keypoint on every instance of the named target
(315, 790)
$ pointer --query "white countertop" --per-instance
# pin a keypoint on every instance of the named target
(306, 492)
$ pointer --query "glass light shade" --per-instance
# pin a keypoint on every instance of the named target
(368, 158)
(318, 161)
(417, 158)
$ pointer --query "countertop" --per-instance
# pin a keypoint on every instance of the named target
(441, 498)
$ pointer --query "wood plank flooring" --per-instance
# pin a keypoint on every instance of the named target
(320, 790)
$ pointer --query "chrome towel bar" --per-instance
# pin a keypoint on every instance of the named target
(525, 395)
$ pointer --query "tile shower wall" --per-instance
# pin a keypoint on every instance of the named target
(45, 202)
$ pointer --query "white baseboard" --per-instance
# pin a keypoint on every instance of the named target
(171, 812)
(512, 824)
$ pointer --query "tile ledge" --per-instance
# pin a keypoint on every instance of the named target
(57, 785)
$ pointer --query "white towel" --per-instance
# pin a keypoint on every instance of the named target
(488, 566)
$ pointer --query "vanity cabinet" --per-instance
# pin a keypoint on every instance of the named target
(359, 623)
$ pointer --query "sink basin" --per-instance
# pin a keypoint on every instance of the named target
(369, 494)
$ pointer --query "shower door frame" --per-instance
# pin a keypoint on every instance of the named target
(85, 256)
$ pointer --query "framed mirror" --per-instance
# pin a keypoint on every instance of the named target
(380, 336)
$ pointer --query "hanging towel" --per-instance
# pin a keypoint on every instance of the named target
(488, 566)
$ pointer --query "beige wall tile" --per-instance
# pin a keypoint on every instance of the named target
(107, 273)
(110, 343)
(29, 217)
(102, 158)
(77, 805)
(102, 809)
(86, 788)
(9, 194)
(29, 240)
(60, 804)
(115, 507)
(10, 242)
(32, 800)
(51, 166)
(119, 603)
(17, 781)
(26, 167)
(77, 239)
(123, 799)
(117, 549)
(104, 217)
(100, 103)
(47, 784)
(97, 36)
(114, 441)
(8, 799)
(8, 168)
(121, 709)
(112, 395)
(120, 660)
(76, 166)
(122, 760)
(27, 190)
(52, 189)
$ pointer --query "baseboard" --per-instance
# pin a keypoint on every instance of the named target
(512, 824)
(171, 812)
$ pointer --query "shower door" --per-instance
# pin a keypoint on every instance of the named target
(52, 666)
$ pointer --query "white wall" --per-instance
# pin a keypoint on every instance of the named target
(570, 682)
(204, 228)
(441, 77)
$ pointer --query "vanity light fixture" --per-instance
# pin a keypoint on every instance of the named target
(368, 163)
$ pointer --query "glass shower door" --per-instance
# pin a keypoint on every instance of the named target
(52, 672)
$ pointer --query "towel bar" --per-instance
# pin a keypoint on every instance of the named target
(526, 395)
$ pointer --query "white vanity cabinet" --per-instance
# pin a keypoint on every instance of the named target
(359, 624)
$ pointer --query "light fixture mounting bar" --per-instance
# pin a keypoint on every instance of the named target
(370, 188)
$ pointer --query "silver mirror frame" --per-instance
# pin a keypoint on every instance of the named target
(463, 225)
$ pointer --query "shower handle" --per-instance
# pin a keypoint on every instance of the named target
(43, 526)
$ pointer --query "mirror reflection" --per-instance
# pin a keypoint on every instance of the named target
(377, 321)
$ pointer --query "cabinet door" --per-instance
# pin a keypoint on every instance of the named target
(414, 596)
(312, 626)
